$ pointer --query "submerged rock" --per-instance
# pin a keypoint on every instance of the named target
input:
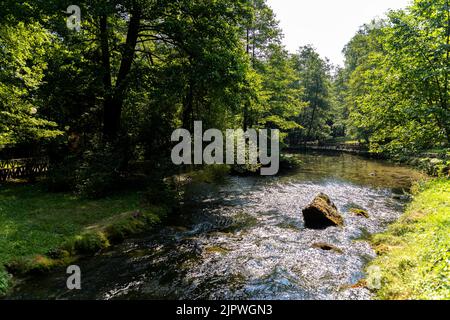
(360, 212)
(217, 250)
(401, 197)
(327, 247)
(322, 213)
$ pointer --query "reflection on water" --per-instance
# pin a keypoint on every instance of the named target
(245, 239)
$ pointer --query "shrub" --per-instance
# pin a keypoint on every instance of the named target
(246, 169)
(289, 162)
(211, 173)
(98, 174)
(61, 176)
(434, 167)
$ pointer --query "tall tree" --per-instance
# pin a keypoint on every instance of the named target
(23, 63)
(262, 34)
(398, 83)
(315, 79)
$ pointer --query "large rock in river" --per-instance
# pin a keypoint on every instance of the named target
(322, 213)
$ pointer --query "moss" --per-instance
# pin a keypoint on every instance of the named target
(59, 253)
(217, 250)
(414, 254)
(327, 247)
(240, 221)
(132, 224)
(42, 264)
(89, 243)
(360, 212)
(36, 264)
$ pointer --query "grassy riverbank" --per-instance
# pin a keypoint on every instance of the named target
(414, 254)
(41, 230)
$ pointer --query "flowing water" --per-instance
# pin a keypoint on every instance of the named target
(245, 239)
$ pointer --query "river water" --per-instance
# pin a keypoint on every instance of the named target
(245, 239)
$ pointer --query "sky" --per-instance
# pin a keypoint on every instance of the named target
(327, 24)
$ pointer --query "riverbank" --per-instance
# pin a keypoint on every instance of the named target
(435, 163)
(414, 254)
(40, 231)
(352, 147)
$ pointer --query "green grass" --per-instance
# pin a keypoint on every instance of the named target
(414, 254)
(34, 222)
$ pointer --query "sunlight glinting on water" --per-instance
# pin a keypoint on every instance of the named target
(245, 239)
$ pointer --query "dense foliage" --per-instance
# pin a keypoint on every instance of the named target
(396, 80)
(139, 69)
(136, 71)
(23, 65)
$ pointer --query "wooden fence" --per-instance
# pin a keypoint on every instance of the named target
(28, 168)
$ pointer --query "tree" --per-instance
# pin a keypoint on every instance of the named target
(397, 84)
(340, 110)
(426, 27)
(23, 64)
(315, 79)
(281, 94)
(261, 35)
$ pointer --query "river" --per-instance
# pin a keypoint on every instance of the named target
(245, 239)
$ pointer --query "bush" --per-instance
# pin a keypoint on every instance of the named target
(93, 174)
(98, 174)
(289, 162)
(61, 177)
(211, 173)
(434, 167)
(163, 193)
(36, 264)
(246, 169)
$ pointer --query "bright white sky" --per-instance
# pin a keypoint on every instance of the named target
(327, 24)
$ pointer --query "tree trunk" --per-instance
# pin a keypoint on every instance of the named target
(245, 120)
(104, 43)
(188, 108)
(313, 115)
(446, 102)
(311, 123)
(114, 101)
